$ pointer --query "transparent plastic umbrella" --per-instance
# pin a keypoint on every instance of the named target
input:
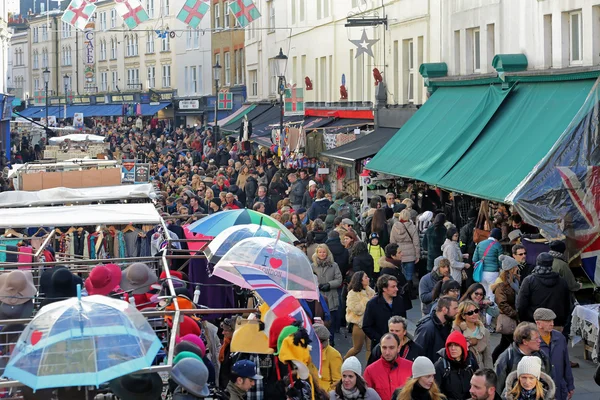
(82, 342)
(285, 264)
(225, 240)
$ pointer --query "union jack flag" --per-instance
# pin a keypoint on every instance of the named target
(281, 303)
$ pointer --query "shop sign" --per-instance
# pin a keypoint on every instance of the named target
(128, 172)
(189, 104)
(323, 171)
(142, 173)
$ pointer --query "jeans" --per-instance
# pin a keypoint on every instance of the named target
(358, 340)
(409, 269)
(335, 324)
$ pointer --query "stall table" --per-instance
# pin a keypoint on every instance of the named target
(584, 326)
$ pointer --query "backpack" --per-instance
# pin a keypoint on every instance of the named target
(345, 211)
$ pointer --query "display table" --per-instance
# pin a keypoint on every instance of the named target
(585, 326)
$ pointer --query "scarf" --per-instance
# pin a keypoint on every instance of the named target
(558, 255)
(396, 263)
(542, 269)
(351, 394)
(527, 394)
(515, 285)
(224, 346)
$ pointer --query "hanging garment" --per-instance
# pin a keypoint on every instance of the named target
(330, 141)
(314, 144)
(25, 257)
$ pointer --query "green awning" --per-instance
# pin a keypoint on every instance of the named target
(521, 133)
(440, 133)
(481, 140)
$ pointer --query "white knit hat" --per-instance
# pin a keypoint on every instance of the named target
(422, 367)
(352, 364)
(531, 365)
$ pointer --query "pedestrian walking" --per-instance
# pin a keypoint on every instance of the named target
(529, 382)
(359, 294)
(421, 385)
(352, 385)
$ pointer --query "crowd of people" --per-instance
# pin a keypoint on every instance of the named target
(370, 265)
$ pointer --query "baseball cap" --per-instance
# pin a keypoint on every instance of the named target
(245, 369)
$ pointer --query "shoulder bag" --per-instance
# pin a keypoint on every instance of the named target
(483, 224)
(478, 268)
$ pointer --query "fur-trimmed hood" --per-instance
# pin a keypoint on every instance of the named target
(547, 382)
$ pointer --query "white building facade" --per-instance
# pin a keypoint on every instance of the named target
(4, 46)
(18, 65)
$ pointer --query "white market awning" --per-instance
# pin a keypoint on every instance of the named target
(93, 214)
(62, 195)
(77, 137)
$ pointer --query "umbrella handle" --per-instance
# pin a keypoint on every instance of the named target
(78, 291)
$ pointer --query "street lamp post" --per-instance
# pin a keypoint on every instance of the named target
(281, 62)
(66, 83)
(217, 76)
(46, 75)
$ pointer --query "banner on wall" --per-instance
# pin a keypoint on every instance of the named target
(78, 120)
(89, 53)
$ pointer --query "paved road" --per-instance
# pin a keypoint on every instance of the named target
(585, 387)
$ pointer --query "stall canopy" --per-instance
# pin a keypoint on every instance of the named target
(237, 115)
(97, 110)
(62, 195)
(483, 138)
(94, 214)
(234, 125)
(77, 137)
(346, 125)
(363, 147)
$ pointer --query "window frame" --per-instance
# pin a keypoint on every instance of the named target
(476, 50)
(166, 78)
(227, 67)
(578, 61)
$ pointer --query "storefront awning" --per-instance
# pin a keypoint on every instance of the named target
(95, 110)
(483, 140)
(151, 109)
(257, 111)
(346, 125)
(237, 115)
(363, 147)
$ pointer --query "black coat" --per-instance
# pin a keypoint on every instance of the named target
(251, 188)
(363, 262)
(222, 157)
(403, 287)
(318, 207)
(431, 335)
(454, 377)
(340, 254)
(432, 241)
(544, 291)
(269, 206)
(377, 314)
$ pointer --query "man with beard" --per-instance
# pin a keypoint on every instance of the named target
(441, 271)
(408, 349)
(390, 371)
(433, 330)
(483, 385)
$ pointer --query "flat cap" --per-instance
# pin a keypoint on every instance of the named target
(544, 314)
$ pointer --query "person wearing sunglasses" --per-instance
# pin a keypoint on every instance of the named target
(506, 289)
(519, 253)
(467, 322)
(477, 293)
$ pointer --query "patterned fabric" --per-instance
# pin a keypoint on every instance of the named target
(330, 140)
(343, 139)
(192, 12)
(132, 12)
(244, 11)
(78, 13)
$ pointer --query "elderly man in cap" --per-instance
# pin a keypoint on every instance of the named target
(242, 379)
(554, 346)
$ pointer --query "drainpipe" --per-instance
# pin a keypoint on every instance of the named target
(57, 74)
(76, 61)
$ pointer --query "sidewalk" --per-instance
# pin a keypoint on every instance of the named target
(585, 387)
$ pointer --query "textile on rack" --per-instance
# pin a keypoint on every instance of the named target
(314, 144)
(214, 291)
(330, 140)
(344, 138)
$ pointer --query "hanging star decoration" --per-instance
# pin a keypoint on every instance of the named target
(364, 45)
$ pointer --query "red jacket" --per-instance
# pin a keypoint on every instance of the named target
(385, 377)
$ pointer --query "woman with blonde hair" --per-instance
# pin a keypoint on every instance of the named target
(421, 385)
(506, 289)
(242, 176)
(468, 323)
(405, 235)
(528, 382)
(329, 278)
(359, 294)
(196, 181)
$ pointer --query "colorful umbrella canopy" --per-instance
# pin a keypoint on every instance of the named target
(82, 342)
(287, 265)
(230, 236)
(217, 223)
(281, 303)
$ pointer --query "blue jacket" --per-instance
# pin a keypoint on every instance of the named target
(431, 335)
(426, 285)
(491, 262)
(562, 375)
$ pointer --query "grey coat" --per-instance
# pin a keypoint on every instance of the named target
(370, 394)
(296, 193)
(451, 251)
(330, 273)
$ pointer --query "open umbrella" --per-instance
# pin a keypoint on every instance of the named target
(232, 235)
(287, 265)
(82, 342)
(217, 223)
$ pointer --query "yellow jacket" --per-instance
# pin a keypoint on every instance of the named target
(331, 368)
(356, 303)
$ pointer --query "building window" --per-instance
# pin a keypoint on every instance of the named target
(104, 81)
(456, 52)
(227, 57)
(166, 44)
(165, 7)
(150, 8)
(218, 60)
(200, 82)
(44, 32)
(217, 16)
(113, 18)
(194, 80)
(273, 77)
(188, 42)
(186, 83)
(36, 84)
(197, 38)
(476, 50)
(410, 70)
(576, 41)
(226, 17)
(133, 77)
(102, 50)
(151, 77)
(44, 58)
(150, 43)
(254, 80)
(322, 9)
(115, 80)
(236, 58)
(36, 60)
(35, 35)
(103, 21)
(135, 45)
(271, 8)
(113, 49)
(166, 75)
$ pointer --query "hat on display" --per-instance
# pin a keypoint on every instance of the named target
(191, 375)
(193, 339)
(61, 286)
(544, 314)
(531, 365)
(422, 366)
(17, 287)
(514, 235)
(103, 279)
(245, 369)
(352, 364)
(188, 326)
(276, 328)
(248, 338)
(138, 386)
(185, 354)
(17, 311)
(188, 347)
(137, 278)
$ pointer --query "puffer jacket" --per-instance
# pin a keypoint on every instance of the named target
(491, 262)
(451, 251)
(356, 303)
(405, 235)
(547, 383)
(329, 272)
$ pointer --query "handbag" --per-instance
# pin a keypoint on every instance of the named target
(505, 325)
(483, 224)
(478, 268)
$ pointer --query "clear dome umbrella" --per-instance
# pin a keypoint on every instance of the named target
(82, 342)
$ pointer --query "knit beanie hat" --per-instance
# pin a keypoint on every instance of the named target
(508, 262)
(496, 233)
(531, 365)
(422, 366)
(558, 245)
(544, 260)
(352, 364)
